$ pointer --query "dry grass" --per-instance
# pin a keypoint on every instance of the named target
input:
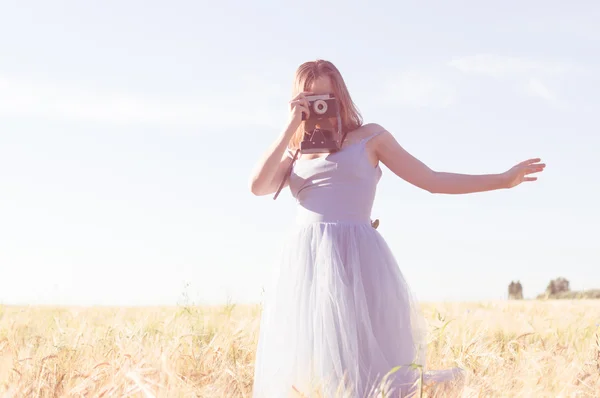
(508, 349)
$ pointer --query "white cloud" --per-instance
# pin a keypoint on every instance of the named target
(531, 76)
(418, 89)
(499, 66)
(61, 102)
(537, 88)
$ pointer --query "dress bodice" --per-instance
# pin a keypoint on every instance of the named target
(339, 187)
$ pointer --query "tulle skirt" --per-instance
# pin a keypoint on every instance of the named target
(337, 318)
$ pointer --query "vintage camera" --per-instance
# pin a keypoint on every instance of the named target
(322, 129)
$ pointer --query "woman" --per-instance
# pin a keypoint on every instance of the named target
(339, 312)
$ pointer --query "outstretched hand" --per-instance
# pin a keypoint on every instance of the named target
(522, 171)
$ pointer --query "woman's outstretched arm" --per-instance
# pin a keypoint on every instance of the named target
(412, 170)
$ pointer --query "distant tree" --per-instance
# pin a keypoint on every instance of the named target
(515, 291)
(557, 286)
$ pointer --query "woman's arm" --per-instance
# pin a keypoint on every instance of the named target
(412, 170)
(271, 168)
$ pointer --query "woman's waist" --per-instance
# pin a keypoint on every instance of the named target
(334, 215)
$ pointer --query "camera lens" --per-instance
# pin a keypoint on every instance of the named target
(320, 107)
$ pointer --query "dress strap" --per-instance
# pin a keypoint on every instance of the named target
(366, 139)
(289, 153)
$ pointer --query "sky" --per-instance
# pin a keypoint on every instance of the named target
(129, 130)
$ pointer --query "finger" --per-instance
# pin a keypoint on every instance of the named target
(534, 169)
(300, 100)
(532, 172)
(537, 165)
(305, 103)
(296, 103)
(303, 109)
(529, 161)
(530, 179)
(301, 95)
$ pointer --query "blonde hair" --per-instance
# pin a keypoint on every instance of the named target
(310, 71)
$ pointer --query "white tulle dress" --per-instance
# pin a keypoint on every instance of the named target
(338, 312)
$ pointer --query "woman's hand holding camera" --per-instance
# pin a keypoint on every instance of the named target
(298, 106)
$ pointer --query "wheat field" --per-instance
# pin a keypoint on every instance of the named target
(507, 348)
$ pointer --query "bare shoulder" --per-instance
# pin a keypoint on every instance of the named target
(375, 131)
(364, 131)
(374, 128)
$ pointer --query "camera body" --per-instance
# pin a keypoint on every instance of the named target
(322, 129)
